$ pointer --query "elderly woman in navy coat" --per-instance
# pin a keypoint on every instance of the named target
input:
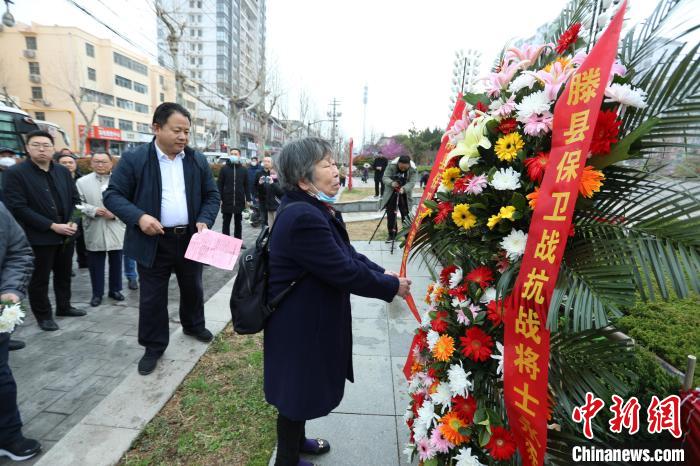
(308, 340)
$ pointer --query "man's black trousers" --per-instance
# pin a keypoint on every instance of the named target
(154, 330)
(237, 224)
(57, 259)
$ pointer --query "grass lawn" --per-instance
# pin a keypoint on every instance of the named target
(362, 231)
(357, 194)
(218, 416)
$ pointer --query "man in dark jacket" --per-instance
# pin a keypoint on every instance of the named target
(379, 165)
(164, 192)
(253, 170)
(15, 272)
(235, 194)
(41, 195)
(269, 192)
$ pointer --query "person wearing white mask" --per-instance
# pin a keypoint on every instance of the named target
(235, 194)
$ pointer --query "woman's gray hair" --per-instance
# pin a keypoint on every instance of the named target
(297, 159)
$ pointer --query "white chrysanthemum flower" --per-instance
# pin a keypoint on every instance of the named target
(533, 104)
(426, 415)
(420, 431)
(432, 338)
(499, 358)
(442, 396)
(11, 316)
(514, 244)
(521, 82)
(626, 95)
(408, 451)
(415, 384)
(408, 415)
(488, 296)
(458, 380)
(465, 458)
(6, 326)
(425, 319)
(459, 304)
(506, 178)
(456, 277)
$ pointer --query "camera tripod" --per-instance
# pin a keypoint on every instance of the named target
(395, 198)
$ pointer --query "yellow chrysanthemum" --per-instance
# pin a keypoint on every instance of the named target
(462, 217)
(493, 221)
(426, 213)
(449, 426)
(565, 62)
(449, 177)
(506, 212)
(591, 181)
(507, 146)
(444, 347)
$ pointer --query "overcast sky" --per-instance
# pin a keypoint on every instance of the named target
(402, 49)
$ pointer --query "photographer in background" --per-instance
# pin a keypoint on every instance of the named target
(399, 179)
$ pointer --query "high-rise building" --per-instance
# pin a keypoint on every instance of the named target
(222, 51)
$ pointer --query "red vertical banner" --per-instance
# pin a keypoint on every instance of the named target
(428, 193)
(526, 339)
(350, 166)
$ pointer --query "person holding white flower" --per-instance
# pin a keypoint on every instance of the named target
(16, 263)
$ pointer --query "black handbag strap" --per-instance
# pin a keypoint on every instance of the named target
(277, 299)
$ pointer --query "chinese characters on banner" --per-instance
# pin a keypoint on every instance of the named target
(431, 187)
(526, 339)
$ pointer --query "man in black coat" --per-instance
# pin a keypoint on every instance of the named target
(15, 270)
(164, 192)
(235, 194)
(379, 165)
(41, 195)
(269, 192)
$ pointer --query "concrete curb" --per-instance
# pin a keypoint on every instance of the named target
(105, 434)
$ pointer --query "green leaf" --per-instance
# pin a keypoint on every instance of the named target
(472, 98)
(484, 437)
(518, 201)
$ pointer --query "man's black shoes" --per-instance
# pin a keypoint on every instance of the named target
(116, 295)
(48, 325)
(71, 312)
(148, 363)
(96, 301)
(15, 345)
(20, 449)
(133, 284)
(203, 335)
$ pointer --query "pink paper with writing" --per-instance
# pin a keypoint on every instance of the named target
(212, 248)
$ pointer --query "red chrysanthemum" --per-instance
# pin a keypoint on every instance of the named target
(418, 399)
(439, 323)
(495, 313)
(607, 130)
(465, 407)
(476, 344)
(433, 373)
(461, 183)
(444, 211)
(422, 340)
(502, 444)
(502, 262)
(536, 165)
(481, 275)
(461, 292)
(569, 37)
(482, 107)
(507, 125)
(445, 274)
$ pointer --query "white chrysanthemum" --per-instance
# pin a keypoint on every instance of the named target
(442, 396)
(488, 296)
(514, 244)
(456, 277)
(533, 104)
(459, 380)
(408, 415)
(432, 338)
(408, 451)
(426, 415)
(521, 82)
(626, 95)
(425, 319)
(499, 358)
(465, 458)
(415, 384)
(11, 316)
(6, 326)
(420, 431)
(506, 178)
(459, 304)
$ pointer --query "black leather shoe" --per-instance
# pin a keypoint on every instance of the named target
(48, 325)
(203, 335)
(15, 345)
(117, 295)
(71, 312)
(148, 363)
(133, 284)
(243, 246)
(96, 301)
(20, 449)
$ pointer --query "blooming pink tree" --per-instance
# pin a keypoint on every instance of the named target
(393, 149)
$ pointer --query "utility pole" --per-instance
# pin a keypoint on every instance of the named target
(364, 117)
(334, 114)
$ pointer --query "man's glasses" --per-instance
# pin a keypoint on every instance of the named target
(100, 162)
(40, 146)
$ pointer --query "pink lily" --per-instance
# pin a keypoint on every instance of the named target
(525, 56)
(497, 81)
(554, 79)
